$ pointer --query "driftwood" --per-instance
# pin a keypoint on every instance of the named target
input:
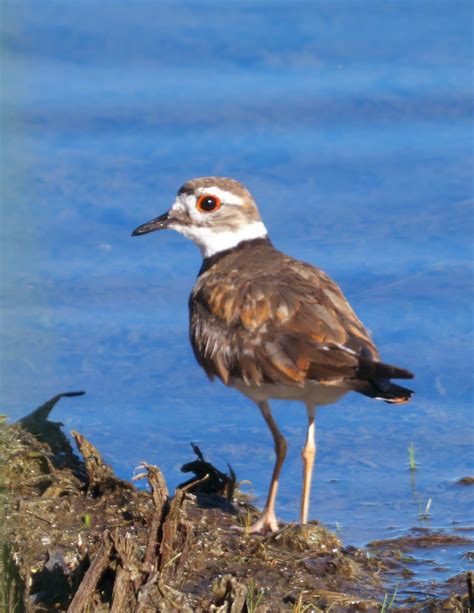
(76, 538)
(84, 596)
(159, 494)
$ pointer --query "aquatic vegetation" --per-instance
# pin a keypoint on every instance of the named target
(388, 605)
(411, 456)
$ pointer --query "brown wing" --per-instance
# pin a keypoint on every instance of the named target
(262, 316)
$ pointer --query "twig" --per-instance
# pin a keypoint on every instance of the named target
(92, 576)
(470, 590)
(159, 494)
(123, 595)
(101, 477)
(48, 521)
(176, 536)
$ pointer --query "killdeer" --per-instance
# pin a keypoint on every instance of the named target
(269, 325)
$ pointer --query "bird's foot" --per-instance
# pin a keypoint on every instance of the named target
(267, 523)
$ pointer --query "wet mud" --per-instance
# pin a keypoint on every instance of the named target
(77, 538)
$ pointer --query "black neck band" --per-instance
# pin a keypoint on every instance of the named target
(213, 259)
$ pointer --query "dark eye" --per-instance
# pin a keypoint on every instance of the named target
(207, 203)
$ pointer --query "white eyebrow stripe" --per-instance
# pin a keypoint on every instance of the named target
(222, 194)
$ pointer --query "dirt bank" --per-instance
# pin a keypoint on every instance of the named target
(77, 538)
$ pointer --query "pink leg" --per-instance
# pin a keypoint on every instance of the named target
(268, 521)
(308, 454)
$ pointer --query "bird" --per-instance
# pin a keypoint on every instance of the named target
(269, 325)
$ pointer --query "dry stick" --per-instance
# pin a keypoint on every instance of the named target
(36, 516)
(175, 534)
(123, 595)
(170, 527)
(470, 590)
(88, 584)
(97, 470)
(159, 493)
(144, 593)
(176, 539)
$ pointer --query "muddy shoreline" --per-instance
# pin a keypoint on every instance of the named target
(77, 538)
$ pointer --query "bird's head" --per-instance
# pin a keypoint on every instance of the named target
(215, 212)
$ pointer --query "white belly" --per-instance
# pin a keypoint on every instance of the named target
(313, 393)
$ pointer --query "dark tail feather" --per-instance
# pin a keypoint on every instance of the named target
(368, 369)
(373, 379)
(383, 389)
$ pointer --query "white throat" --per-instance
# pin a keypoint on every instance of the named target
(210, 241)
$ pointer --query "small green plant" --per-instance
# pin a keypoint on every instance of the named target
(388, 604)
(87, 520)
(245, 521)
(411, 456)
(253, 597)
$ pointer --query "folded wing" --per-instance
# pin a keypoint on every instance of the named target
(286, 323)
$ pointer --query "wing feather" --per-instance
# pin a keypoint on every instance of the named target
(275, 319)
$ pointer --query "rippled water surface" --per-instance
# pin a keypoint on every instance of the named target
(350, 122)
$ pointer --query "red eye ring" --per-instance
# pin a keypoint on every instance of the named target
(208, 203)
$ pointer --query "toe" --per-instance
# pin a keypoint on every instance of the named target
(266, 523)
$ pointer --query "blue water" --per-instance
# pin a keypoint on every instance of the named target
(351, 123)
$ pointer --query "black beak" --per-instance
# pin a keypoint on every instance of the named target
(159, 223)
